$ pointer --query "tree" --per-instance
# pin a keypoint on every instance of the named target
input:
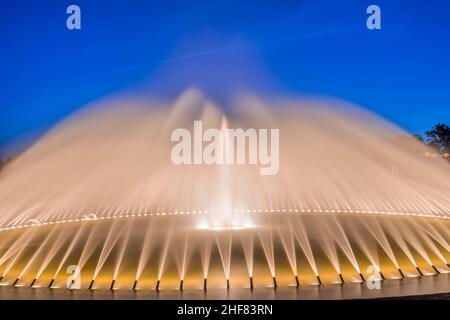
(439, 137)
(418, 137)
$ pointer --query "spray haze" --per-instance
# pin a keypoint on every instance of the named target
(342, 172)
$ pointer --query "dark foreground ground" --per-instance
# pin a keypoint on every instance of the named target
(439, 296)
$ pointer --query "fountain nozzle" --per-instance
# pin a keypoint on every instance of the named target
(91, 284)
(51, 283)
(435, 269)
(135, 285)
(419, 271)
(157, 285)
(228, 284)
(342, 278)
(33, 283)
(1, 278)
(251, 283)
(362, 277)
(275, 285)
(181, 285)
(318, 280)
(297, 281)
(112, 285)
(205, 284)
(382, 276)
(401, 273)
(15, 282)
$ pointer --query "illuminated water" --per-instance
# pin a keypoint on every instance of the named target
(100, 193)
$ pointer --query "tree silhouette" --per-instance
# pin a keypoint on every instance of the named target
(418, 137)
(439, 137)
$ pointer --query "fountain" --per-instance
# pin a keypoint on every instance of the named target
(100, 192)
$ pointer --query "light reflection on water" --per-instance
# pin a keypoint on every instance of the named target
(390, 288)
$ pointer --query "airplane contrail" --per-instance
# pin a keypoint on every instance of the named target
(183, 57)
(207, 52)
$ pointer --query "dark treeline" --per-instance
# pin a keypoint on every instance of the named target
(438, 138)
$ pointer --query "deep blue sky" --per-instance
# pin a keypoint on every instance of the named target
(401, 72)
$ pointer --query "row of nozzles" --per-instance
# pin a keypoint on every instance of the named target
(205, 282)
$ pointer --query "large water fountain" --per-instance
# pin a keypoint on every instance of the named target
(97, 203)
